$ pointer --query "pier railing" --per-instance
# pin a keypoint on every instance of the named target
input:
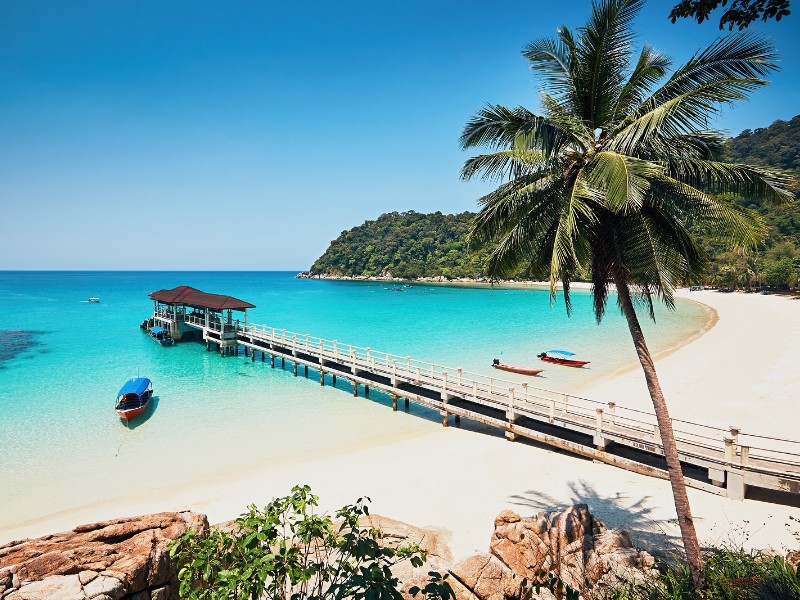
(732, 457)
(506, 394)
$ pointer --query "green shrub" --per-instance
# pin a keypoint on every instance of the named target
(286, 551)
(729, 575)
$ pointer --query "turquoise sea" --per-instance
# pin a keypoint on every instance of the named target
(62, 360)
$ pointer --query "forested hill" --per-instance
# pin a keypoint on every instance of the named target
(776, 146)
(404, 244)
(412, 245)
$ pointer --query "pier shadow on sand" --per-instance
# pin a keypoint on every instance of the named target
(618, 511)
(144, 417)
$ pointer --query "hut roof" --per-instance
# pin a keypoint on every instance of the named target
(191, 297)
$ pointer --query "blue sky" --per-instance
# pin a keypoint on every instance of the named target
(248, 135)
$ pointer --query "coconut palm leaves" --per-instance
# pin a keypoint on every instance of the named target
(610, 180)
(613, 151)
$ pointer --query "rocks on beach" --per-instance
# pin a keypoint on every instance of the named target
(111, 560)
(571, 544)
(127, 559)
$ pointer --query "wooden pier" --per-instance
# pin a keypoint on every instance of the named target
(725, 461)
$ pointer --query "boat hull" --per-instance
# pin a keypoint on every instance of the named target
(518, 370)
(127, 415)
(564, 361)
(131, 404)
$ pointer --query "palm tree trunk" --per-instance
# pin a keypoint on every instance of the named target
(688, 533)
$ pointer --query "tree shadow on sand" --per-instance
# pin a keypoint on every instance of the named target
(619, 511)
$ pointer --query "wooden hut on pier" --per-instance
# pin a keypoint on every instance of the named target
(186, 312)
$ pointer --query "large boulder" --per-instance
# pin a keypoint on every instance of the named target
(571, 545)
(118, 559)
(430, 540)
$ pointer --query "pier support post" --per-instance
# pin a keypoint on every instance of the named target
(599, 441)
(295, 369)
(366, 391)
(246, 349)
(458, 420)
(333, 379)
(262, 356)
(208, 346)
(355, 388)
(445, 417)
(406, 404)
(394, 402)
(306, 368)
(272, 360)
(252, 356)
(321, 377)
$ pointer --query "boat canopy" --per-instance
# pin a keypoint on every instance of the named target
(135, 385)
(562, 352)
(157, 329)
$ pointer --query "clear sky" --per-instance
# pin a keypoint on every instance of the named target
(247, 135)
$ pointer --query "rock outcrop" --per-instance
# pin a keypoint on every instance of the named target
(571, 544)
(431, 541)
(112, 560)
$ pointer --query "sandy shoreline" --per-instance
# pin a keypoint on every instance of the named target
(739, 372)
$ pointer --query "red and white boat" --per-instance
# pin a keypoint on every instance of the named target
(133, 397)
(562, 357)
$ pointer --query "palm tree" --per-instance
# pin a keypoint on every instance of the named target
(610, 181)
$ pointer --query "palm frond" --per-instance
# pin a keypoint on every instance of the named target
(729, 69)
(742, 55)
(652, 130)
(624, 180)
(501, 128)
(505, 164)
(566, 120)
(509, 204)
(719, 177)
(603, 53)
(737, 226)
(570, 249)
(650, 68)
(553, 60)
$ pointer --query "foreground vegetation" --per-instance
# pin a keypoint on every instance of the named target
(286, 551)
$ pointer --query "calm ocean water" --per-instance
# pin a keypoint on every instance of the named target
(63, 359)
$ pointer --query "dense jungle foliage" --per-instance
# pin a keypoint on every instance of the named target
(412, 245)
(408, 245)
(777, 263)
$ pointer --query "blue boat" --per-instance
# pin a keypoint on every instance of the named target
(161, 335)
(133, 397)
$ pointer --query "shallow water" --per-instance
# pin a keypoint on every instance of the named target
(63, 359)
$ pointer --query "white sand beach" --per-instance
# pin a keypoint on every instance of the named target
(742, 371)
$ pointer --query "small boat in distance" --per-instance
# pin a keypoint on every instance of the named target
(94, 300)
(515, 369)
(562, 358)
(133, 397)
(161, 335)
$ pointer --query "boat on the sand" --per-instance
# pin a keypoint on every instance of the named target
(562, 357)
(133, 397)
(516, 369)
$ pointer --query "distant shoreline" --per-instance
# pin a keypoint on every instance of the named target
(480, 281)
